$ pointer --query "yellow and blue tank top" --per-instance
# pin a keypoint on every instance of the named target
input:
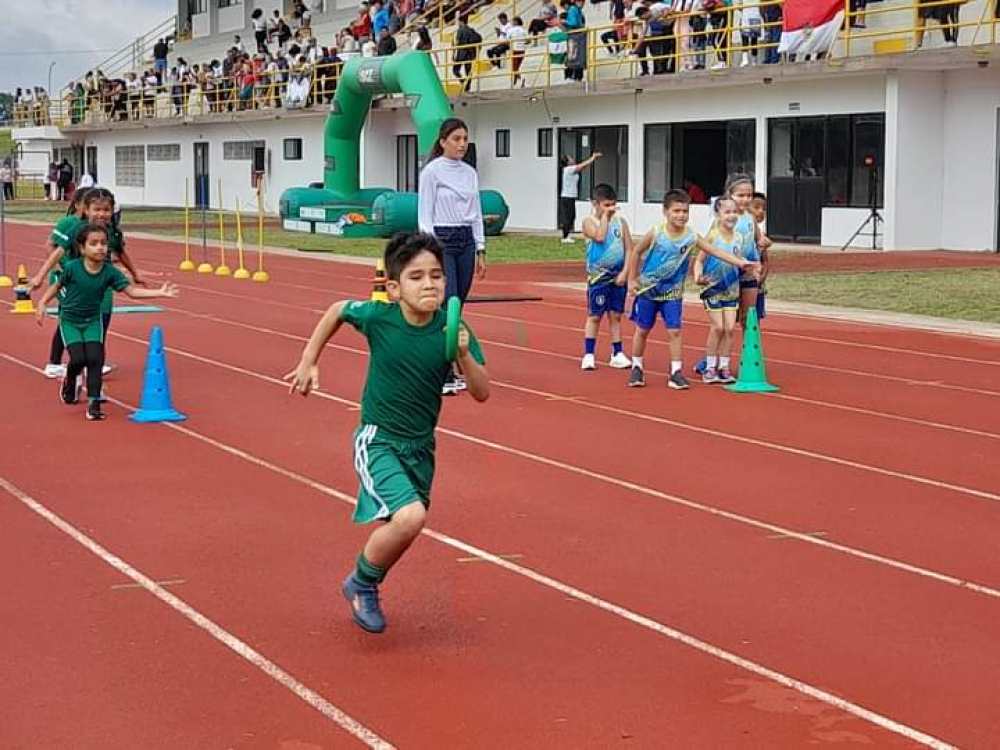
(724, 278)
(605, 260)
(665, 266)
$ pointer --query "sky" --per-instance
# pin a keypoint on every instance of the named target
(36, 33)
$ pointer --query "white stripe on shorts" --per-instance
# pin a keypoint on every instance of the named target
(365, 436)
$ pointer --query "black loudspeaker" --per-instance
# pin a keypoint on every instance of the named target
(259, 168)
(470, 156)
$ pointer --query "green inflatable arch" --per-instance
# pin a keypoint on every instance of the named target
(337, 207)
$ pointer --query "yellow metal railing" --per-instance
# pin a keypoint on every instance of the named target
(614, 51)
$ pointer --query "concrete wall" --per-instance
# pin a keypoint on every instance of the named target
(969, 154)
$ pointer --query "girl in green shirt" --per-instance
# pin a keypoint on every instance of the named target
(86, 280)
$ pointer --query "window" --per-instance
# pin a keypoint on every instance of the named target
(612, 168)
(130, 166)
(163, 152)
(239, 150)
(545, 142)
(503, 143)
(229, 3)
(867, 143)
(850, 141)
(198, 6)
(407, 163)
(293, 149)
(702, 154)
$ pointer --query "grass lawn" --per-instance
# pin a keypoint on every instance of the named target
(6, 143)
(959, 293)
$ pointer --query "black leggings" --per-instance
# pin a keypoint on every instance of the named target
(89, 355)
(57, 348)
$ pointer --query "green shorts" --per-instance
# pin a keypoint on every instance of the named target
(81, 333)
(393, 472)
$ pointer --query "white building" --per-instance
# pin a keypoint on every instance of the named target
(928, 120)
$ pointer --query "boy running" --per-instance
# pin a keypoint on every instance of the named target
(394, 444)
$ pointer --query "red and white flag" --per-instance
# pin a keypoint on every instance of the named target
(810, 26)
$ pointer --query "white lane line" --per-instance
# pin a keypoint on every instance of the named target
(648, 623)
(642, 416)
(805, 537)
(254, 657)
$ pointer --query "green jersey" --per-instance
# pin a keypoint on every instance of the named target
(64, 236)
(406, 369)
(85, 290)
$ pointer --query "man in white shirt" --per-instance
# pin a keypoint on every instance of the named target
(496, 52)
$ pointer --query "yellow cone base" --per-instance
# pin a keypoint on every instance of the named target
(6, 282)
(205, 268)
(380, 297)
(187, 265)
(23, 307)
(261, 276)
(223, 271)
(241, 273)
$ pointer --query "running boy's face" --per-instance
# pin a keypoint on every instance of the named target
(743, 193)
(421, 284)
(99, 212)
(728, 214)
(677, 215)
(96, 247)
(604, 207)
(758, 207)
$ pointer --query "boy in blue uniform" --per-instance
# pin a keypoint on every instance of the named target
(758, 208)
(664, 256)
(608, 246)
(394, 444)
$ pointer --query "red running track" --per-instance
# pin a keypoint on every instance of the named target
(670, 558)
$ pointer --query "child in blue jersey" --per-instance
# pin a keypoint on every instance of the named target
(663, 257)
(721, 290)
(608, 246)
(758, 207)
(740, 187)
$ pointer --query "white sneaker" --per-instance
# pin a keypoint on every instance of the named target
(719, 65)
(620, 361)
(568, 241)
(55, 371)
(106, 369)
(745, 61)
(588, 362)
(460, 384)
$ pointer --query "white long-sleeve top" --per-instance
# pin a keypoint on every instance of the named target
(449, 197)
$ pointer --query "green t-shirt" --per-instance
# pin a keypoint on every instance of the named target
(406, 369)
(64, 236)
(85, 290)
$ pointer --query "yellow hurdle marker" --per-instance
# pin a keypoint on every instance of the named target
(223, 269)
(241, 272)
(187, 264)
(22, 294)
(260, 274)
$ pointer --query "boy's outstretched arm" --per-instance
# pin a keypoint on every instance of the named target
(305, 377)
(477, 380)
(724, 255)
(166, 290)
(54, 255)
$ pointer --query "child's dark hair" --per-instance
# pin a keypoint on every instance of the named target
(736, 179)
(86, 230)
(721, 199)
(448, 127)
(603, 192)
(676, 196)
(403, 248)
(758, 196)
(78, 198)
(98, 194)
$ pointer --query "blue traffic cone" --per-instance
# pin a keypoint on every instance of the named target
(156, 404)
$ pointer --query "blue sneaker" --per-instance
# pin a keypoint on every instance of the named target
(364, 605)
(701, 366)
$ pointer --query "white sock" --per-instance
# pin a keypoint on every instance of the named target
(711, 362)
(675, 366)
(724, 363)
(637, 362)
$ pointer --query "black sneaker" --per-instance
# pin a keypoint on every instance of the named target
(636, 379)
(94, 412)
(678, 381)
(68, 392)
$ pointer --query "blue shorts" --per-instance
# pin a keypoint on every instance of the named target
(761, 306)
(717, 303)
(603, 298)
(645, 309)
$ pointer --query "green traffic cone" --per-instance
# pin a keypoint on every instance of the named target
(753, 372)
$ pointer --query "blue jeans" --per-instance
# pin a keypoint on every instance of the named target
(459, 259)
